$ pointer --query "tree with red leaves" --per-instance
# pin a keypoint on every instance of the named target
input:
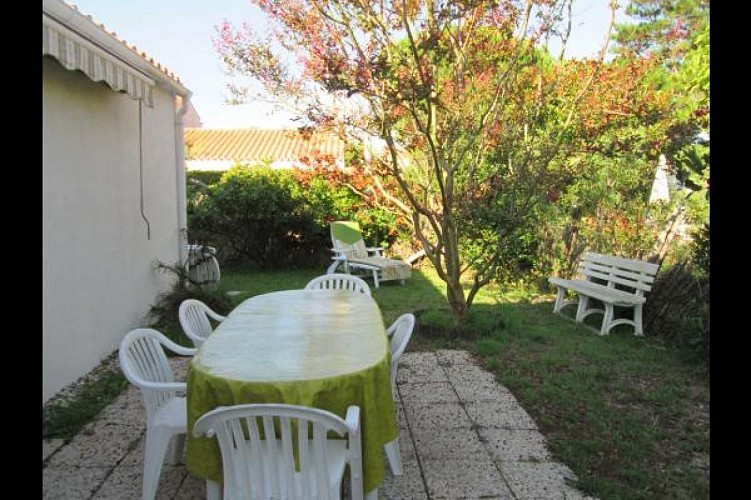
(442, 86)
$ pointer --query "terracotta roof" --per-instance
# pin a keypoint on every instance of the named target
(259, 144)
(140, 53)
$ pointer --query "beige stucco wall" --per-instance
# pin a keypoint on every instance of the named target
(98, 280)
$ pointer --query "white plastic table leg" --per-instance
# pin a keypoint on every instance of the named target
(395, 458)
(213, 490)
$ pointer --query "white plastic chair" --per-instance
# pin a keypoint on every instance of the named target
(145, 365)
(336, 281)
(259, 468)
(399, 332)
(194, 318)
(352, 254)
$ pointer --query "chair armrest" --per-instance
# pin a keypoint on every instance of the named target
(339, 254)
(160, 386)
(216, 316)
(178, 349)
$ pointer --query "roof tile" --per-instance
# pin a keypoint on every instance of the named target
(252, 145)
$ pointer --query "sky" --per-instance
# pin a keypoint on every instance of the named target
(178, 34)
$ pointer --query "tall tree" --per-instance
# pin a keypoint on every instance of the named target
(676, 34)
(442, 84)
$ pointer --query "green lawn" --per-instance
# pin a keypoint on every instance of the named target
(629, 416)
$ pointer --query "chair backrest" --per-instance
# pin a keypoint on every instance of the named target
(296, 463)
(347, 237)
(143, 361)
(338, 281)
(400, 332)
(194, 319)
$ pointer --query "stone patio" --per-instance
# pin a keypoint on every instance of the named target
(463, 435)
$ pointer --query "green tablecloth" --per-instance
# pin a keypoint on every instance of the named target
(321, 348)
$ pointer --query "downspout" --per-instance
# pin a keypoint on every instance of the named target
(182, 214)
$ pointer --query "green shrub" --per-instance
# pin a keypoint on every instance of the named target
(677, 310)
(253, 215)
(701, 249)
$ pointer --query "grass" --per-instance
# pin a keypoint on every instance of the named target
(63, 418)
(627, 415)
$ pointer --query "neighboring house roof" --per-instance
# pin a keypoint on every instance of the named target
(256, 145)
(192, 118)
(79, 43)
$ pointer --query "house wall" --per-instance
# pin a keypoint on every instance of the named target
(98, 279)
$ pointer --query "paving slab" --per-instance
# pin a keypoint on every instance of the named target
(455, 357)
(536, 480)
(482, 390)
(461, 373)
(418, 373)
(125, 482)
(401, 417)
(456, 444)
(50, 446)
(431, 392)
(499, 414)
(192, 488)
(514, 444)
(436, 415)
(126, 410)
(104, 448)
(419, 358)
(408, 486)
(66, 483)
(466, 479)
(406, 446)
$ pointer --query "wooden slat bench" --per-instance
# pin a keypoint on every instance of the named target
(614, 281)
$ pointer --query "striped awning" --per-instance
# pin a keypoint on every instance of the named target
(76, 53)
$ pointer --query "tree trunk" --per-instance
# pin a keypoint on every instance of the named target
(457, 301)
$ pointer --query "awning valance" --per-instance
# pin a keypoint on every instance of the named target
(76, 53)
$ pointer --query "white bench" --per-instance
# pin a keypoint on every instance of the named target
(617, 282)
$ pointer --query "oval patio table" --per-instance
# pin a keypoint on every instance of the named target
(322, 348)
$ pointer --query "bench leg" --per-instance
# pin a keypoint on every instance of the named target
(638, 329)
(582, 309)
(559, 299)
(607, 319)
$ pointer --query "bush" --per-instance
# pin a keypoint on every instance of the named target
(253, 215)
(701, 249)
(677, 310)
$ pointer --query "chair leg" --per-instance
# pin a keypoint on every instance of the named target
(375, 278)
(638, 328)
(582, 308)
(372, 494)
(395, 457)
(559, 299)
(607, 319)
(156, 448)
(175, 452)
